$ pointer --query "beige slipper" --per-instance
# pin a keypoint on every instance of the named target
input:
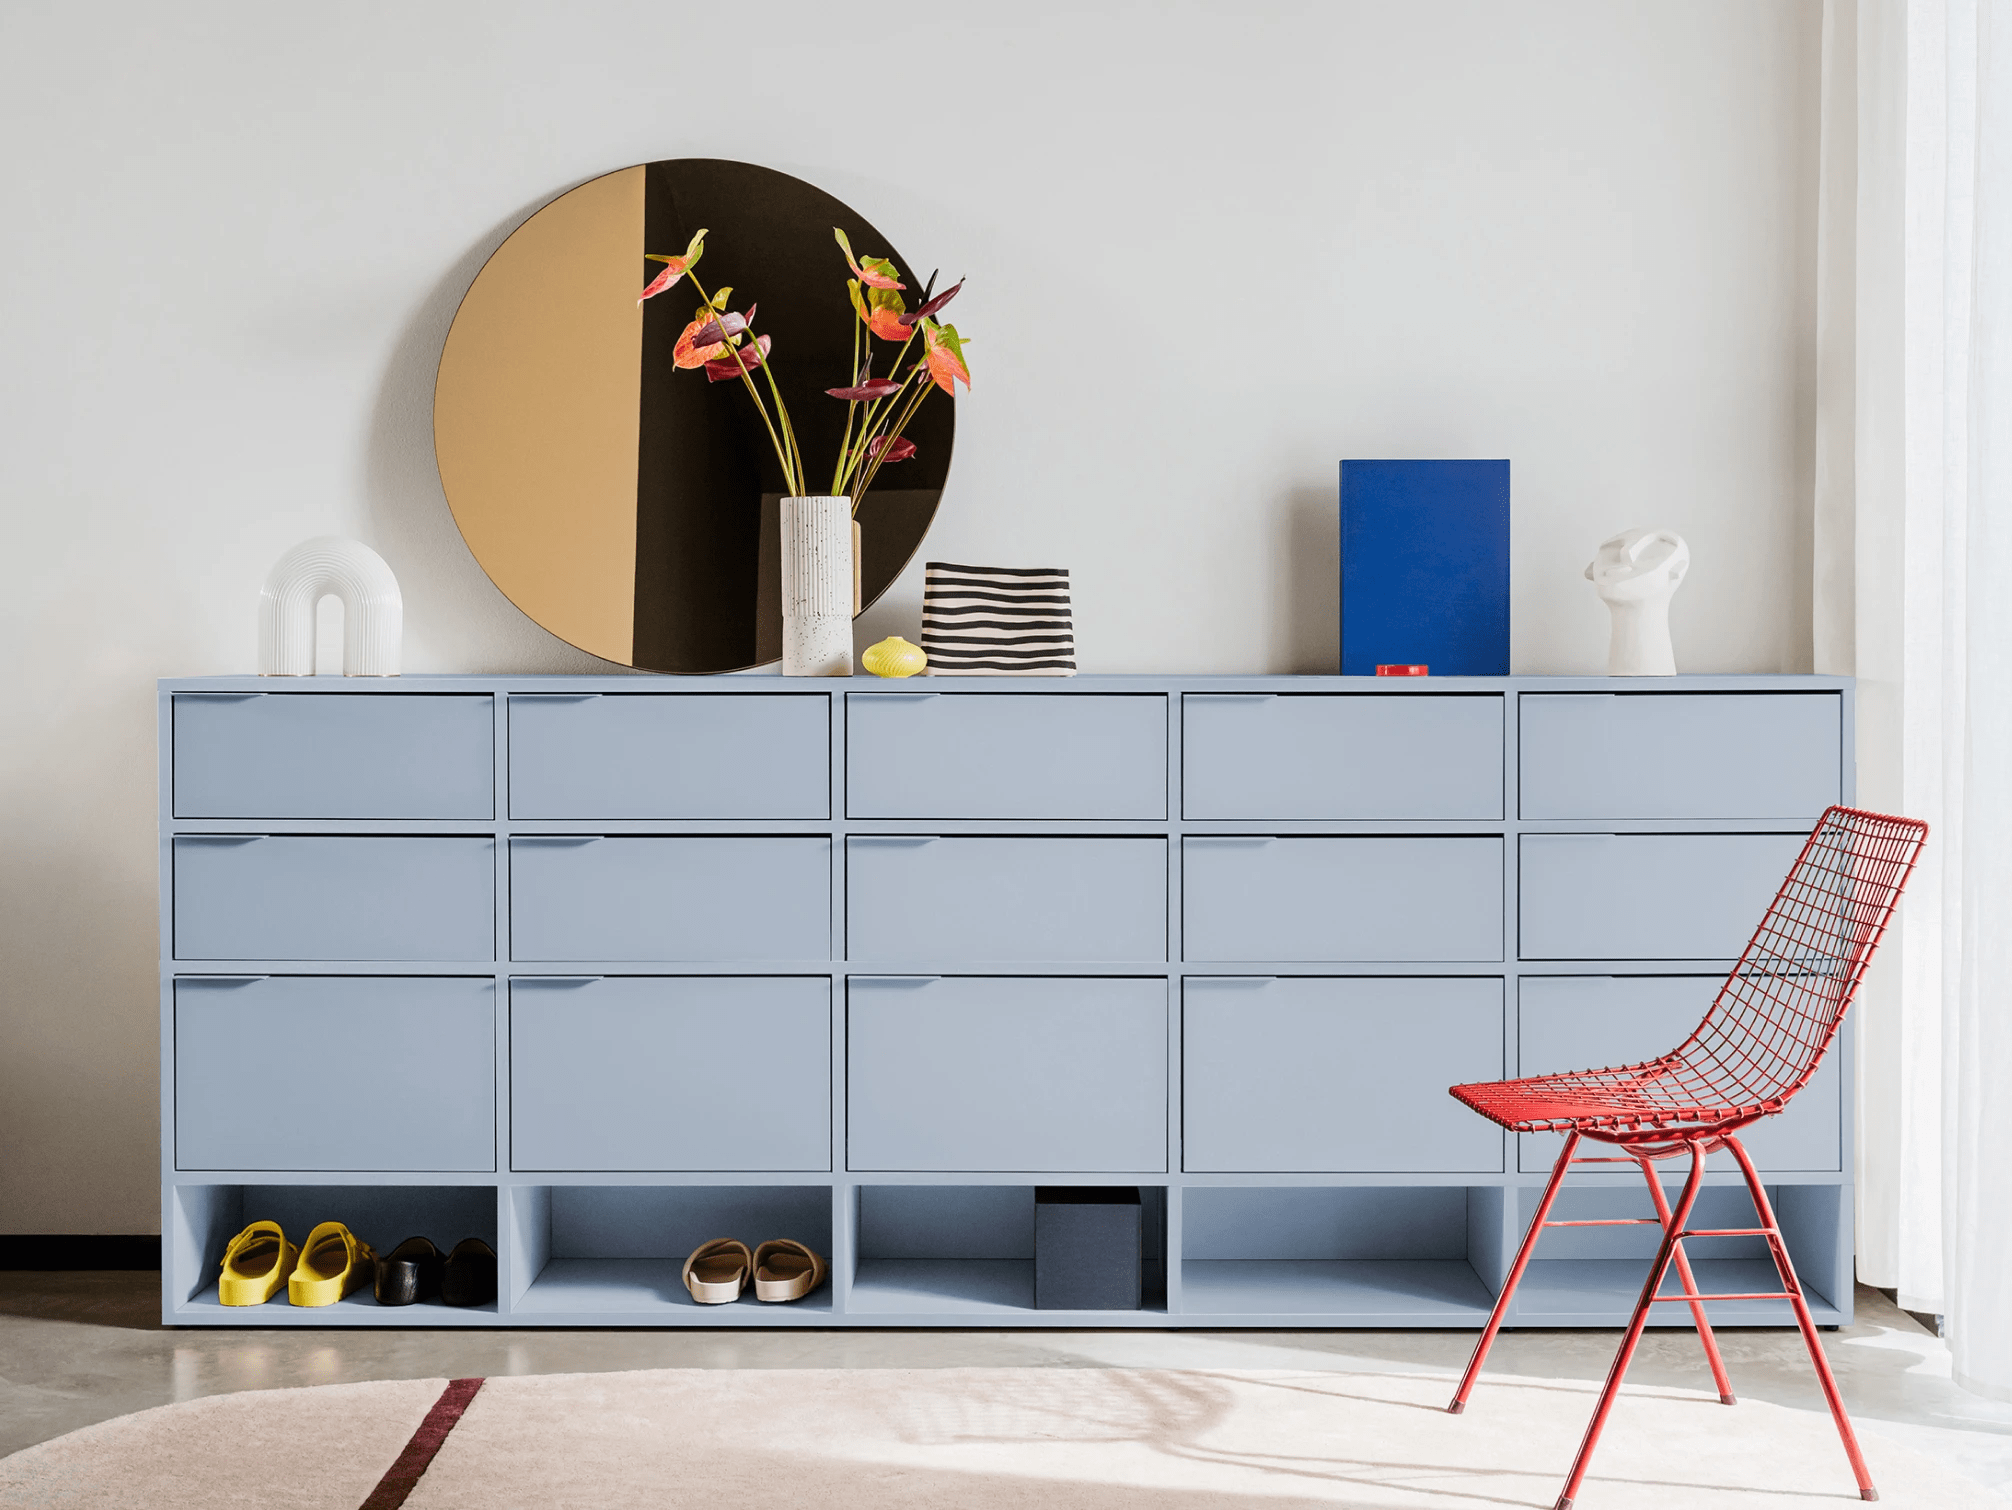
(717, 1271)
(786, 1270)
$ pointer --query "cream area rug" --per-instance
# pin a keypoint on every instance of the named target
(973, 1439)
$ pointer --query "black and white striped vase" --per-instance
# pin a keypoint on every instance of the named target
(997, 621)
(817, 586)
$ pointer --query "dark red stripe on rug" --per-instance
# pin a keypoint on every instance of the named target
(400, 1478)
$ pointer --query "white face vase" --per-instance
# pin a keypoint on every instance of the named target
(1636, 573)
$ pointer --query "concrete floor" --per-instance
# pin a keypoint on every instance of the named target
(82, 1347)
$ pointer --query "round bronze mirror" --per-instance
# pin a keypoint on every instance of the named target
(628, 506)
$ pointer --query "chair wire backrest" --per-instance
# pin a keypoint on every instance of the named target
(1778, 1011)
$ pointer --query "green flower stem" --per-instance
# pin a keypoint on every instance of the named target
(873, 412)
(892, 436)
(851, 407)
(782, 455)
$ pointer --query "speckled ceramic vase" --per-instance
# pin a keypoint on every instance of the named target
(817, 586)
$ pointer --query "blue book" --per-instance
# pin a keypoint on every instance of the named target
(1425, 566)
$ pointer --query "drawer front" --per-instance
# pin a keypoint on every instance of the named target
(1576, 1022)
(1001, 899)
(335, 1072)
(335, 897)
(1030, 1074)
(1005, 755)
(670, 755)
(334, 755)
(1648, 896)
(1341, 756)
(1250, 899)
(1341, 1076)
(732, 898)
(1681, 755)
(657, 1073)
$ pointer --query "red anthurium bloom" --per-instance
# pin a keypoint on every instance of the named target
(874, 272)
(867, 392)
(899, 449)
(744, 359)
(674, 267)
(688, 353)
(934, 304)
(886, 324)
(945, 356)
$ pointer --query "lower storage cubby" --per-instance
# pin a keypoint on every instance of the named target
(615, 1254)
(1411, 1256)
(204, 1218)
(1592, 1276)
(968, 1250)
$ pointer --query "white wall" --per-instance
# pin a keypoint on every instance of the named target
(1212, 249)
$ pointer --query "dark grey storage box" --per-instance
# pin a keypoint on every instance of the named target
(1088, 1248)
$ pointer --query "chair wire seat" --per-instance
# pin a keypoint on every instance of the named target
(1773, 1020)
(1763, 1038)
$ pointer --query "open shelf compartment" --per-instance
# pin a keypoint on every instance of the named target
(204, 1218)
(968, 1251)
(614, 1254)
(1414, 1256)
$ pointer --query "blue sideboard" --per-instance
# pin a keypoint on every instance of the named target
(599, 968)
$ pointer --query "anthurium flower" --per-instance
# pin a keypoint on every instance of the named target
(874, 272)
(674, 267)
(931, 306)
(866, 392)
(899, 449)
(944, 350)
(688, 353)
(725, 327)
(743, 359)
(887, 324)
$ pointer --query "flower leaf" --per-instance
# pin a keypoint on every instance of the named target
(898, 449)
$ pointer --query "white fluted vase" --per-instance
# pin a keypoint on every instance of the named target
(817, 586)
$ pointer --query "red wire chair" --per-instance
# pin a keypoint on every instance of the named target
(1761, 1041)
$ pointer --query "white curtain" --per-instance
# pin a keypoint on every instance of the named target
(1913, 594)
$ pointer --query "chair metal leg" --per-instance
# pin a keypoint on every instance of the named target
(1672, 1233)
(1705, 1336)
(1487, 1339)
(1778, 1249)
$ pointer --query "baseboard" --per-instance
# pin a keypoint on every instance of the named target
(19, 1250)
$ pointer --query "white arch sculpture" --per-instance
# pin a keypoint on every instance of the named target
(373, 613)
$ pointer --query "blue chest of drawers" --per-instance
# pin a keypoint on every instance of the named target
(600, 968)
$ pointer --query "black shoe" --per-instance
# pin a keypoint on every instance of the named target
(470, 1276)
(409, 1272)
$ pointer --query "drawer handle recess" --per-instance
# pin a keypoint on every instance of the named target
(897, 841)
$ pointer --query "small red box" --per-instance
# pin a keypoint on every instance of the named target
(1402, 671)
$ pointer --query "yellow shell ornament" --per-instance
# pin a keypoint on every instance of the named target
(894, 657)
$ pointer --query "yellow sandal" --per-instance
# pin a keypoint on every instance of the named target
(256, 1264)
(333, 1261)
